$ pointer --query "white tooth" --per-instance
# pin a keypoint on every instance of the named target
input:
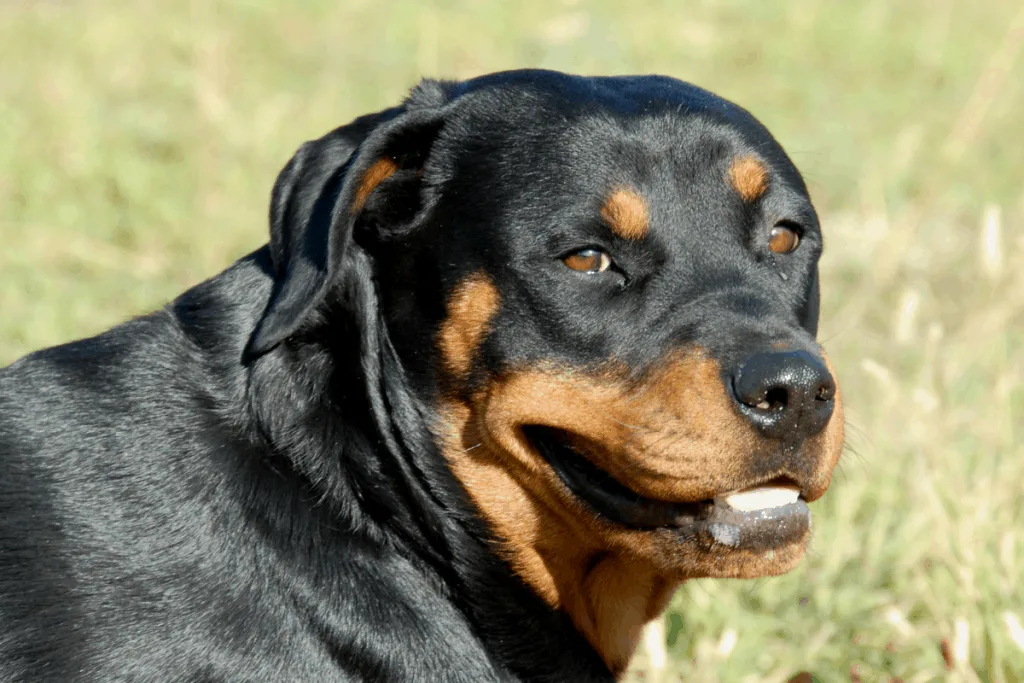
(761, 498)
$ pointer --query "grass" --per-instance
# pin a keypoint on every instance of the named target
(139, 141)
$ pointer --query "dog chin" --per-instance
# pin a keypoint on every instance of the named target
(727, 563)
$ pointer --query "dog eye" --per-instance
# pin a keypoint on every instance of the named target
(783, 239)
(588, 261)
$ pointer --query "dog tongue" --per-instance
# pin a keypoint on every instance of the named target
(759, 498)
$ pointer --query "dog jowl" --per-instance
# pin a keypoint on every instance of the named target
(523, 354)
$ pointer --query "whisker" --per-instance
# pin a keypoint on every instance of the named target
(624, 424)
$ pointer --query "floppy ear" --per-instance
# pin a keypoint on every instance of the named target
(318, 197)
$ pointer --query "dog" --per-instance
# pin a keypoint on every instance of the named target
(523, 354)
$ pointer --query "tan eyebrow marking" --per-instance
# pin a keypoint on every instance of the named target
(748, 175)
(625, 211)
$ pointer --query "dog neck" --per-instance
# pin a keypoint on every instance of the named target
(428, 513)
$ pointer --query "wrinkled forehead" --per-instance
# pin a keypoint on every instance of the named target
(681, 156)
(546, 159)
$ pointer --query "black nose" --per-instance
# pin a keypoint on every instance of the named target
(785, 394)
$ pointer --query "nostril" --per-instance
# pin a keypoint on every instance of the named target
(775, 399)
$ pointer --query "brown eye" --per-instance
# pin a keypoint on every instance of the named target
(783, 239)
(588, 261)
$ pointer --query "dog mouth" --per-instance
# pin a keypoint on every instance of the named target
(759, 517)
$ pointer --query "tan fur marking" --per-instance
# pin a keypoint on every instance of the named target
(625, 211)
(673, 435)
(380, 171)
(749, 177)
(471, 306)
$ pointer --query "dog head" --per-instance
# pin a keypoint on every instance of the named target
(604, 294)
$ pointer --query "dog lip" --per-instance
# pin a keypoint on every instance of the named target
(755, 530)
(711, 523)
(604, 494)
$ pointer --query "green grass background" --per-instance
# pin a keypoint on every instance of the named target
(139, 141)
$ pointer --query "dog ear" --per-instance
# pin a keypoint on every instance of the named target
(324, 190)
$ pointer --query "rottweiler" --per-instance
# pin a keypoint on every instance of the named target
(523, 353)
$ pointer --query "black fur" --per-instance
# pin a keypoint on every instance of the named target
(243, 487)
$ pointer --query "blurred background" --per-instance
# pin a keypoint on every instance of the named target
(139, 141)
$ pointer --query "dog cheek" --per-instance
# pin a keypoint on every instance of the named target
(511, 498)
(471, 307)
